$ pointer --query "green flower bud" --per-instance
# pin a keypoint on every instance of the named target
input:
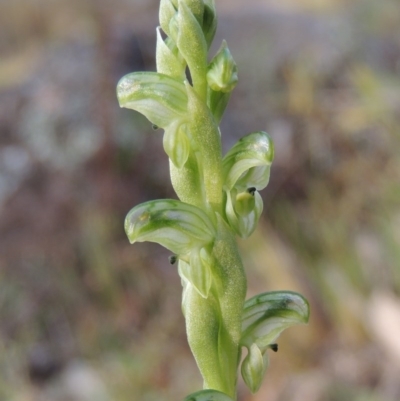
(177, 226)
(162, 99)
(253, 368)
(222, 71)
(248, 163)
(176, 144)
(266, 315)
(167, 58)
(221, 78)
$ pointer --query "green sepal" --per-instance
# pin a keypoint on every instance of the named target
(187, 181)
(253, 367)
(176, 144)
(196, 7)
(222, 71)
(174, 28)
(248, 162)
(208, 395)
(242, 223)
(176, 225)
(209, 25)
(198, 271)
(162, 99)
(166, 12)
(266, 315)
(167, 58)
(192, 46)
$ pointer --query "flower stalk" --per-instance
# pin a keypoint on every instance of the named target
(218, 199)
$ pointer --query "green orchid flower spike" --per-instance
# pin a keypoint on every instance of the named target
(218, 199)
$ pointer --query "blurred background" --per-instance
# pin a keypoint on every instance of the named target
(85, 316)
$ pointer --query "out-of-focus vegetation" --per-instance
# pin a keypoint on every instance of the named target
(85, 316)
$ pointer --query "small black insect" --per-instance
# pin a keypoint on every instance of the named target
(172, 259)
(251, 190)
(274, 347)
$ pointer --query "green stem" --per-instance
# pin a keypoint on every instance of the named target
(207, 142)
(214, 324)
